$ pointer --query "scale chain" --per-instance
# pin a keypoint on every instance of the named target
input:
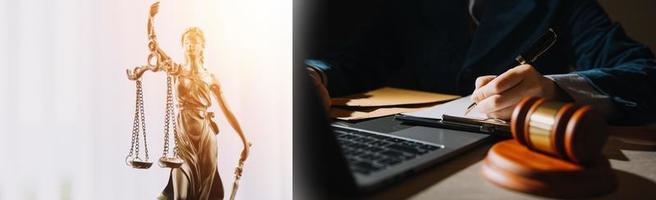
(172, 105)
(142, 117)
(175, 134)
(168, 115)
(135, 124)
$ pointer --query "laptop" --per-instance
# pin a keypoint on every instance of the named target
(333, 158)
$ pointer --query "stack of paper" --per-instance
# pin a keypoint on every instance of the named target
(383, 102)
(456, 110)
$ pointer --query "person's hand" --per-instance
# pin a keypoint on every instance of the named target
(321, 89)
(497, 96)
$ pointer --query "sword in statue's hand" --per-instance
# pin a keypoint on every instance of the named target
(238, 170)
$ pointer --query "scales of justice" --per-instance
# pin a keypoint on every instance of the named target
(193, 160)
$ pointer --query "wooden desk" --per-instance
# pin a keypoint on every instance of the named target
(460, 178)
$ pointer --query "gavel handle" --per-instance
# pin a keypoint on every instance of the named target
(643, 135)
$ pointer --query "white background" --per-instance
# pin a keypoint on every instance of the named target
(66, 106)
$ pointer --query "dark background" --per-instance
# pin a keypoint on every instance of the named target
(330, 23)
(636, 16)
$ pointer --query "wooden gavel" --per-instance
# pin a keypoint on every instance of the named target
(569, 132)
(556, 151)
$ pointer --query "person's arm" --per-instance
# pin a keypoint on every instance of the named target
(216, 90)
(319, 82)
(613, 73)
(612, 63)
(578, 90)
(364, 62)
(353, 72)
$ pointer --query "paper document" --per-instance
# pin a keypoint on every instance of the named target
(358, 113)
(456, 109)
(388, 96)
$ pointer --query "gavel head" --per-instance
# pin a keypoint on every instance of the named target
(573, 133)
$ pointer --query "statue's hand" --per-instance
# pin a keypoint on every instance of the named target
(131, 75)
(137, 72)
(154, 9)
(245, 151)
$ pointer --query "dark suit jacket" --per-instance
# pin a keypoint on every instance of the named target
(428, 45)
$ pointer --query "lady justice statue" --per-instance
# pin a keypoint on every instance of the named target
(194, 173)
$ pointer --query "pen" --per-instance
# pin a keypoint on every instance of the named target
(539, 47)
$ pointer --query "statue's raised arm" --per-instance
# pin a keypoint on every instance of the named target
(157, 60)
(152, 44)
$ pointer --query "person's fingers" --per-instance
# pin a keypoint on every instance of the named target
(483, 80)
(506, 99)
(480, 82)
(315, 76)
(500, 84)
(321, 89)
(503, 114)
(323, 93)
(325, 96)
(490, 104)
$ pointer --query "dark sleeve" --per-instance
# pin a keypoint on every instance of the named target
(613, 63)
(364, 62)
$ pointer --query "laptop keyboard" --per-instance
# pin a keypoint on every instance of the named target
(368, 152)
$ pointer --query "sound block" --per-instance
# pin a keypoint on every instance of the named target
(513, 166)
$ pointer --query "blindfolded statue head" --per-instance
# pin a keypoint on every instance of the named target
(193, 42)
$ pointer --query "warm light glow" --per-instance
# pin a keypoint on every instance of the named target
(66, 106)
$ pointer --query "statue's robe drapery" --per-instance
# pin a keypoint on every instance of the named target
(196, 140)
